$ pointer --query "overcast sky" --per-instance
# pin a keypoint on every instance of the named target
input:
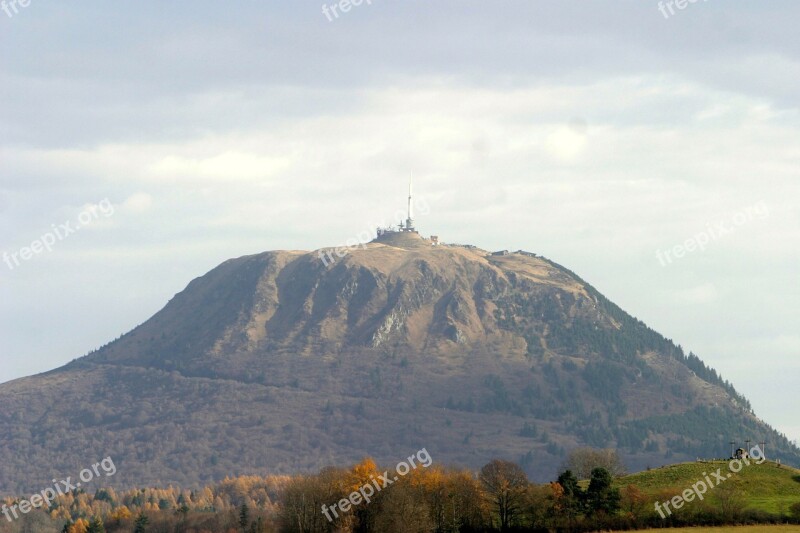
(176, 135)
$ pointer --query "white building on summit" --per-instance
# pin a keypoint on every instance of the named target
(405, 234)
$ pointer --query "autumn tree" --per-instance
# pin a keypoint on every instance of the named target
(80, 526)
(437, 492)
(634, 501)
(403, 510)
(433, 499)
(465, 509)
(360, 475)
(539, 506)
(504, 484)
(120, 514)
(302, 500)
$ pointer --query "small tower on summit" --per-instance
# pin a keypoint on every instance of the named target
(405, 234)
(410, 220)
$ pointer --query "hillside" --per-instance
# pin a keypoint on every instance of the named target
(279, 363)
(767, 487)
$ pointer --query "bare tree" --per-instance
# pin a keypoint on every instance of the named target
(581, 461)
(505, 484)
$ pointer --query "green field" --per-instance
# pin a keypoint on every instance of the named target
(767, 487)
(737, 529)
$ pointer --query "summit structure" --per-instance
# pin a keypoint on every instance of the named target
(410, 219)
(405, 233)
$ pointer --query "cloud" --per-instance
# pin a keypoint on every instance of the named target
(568, 142)
(138, 203)
(699, 295)
(226, 167)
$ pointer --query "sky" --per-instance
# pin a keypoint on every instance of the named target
(654, 153)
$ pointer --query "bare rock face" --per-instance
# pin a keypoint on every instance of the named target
(433, 299)
(283, 362)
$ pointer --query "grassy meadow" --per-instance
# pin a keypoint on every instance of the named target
(734, 529)
(766, 487)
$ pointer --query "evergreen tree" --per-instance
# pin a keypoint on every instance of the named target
(96, 526)
(601, 496)
(140, 526)
(244, 517)
(183, 511)
(573, 496)
(569, 483)
(258, 526)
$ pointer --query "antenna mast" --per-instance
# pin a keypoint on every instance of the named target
(410, 220)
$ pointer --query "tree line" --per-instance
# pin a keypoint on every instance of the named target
(586, 496)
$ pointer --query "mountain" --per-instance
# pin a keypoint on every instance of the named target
(289, 361)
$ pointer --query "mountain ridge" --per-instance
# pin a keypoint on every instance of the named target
(275, 362)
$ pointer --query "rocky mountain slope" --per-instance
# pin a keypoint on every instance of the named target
(285, 361)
